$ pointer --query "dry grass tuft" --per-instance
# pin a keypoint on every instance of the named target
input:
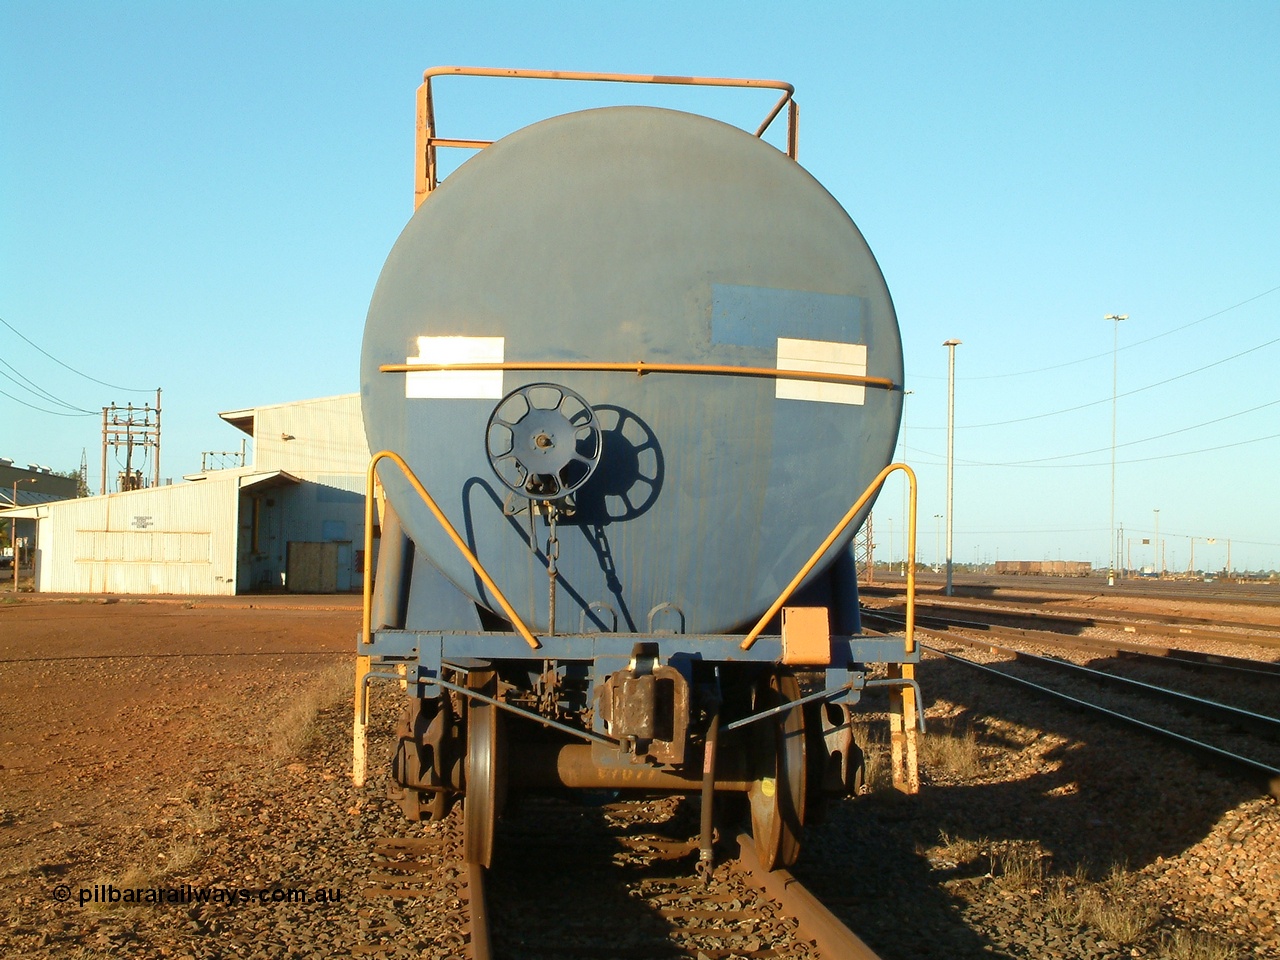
(948, 751)
(1019, 864)
(1110, 907)
(877, 767)
(1188, 945)
(292, 731)
(134, 877)
(182, 854)
(960, 850)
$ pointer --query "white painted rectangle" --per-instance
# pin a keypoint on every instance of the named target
(456, 384)
(822, 356)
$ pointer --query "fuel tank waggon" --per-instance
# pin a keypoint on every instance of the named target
(641, 363)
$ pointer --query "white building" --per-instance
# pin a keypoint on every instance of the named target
(293, 520)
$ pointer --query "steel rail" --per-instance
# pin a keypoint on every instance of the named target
(1134, 651)
(1244, 594)
(1221, 712)
(1270, 774)
(1142, 622)
(834, 940)
(1133, 621)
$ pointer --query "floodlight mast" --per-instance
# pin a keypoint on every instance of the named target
(1115, 343)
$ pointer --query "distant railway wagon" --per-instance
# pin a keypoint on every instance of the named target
(1045, 568)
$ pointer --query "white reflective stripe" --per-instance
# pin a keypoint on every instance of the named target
(822, 356)
(456, 384)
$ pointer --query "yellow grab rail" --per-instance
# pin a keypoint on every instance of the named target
(751, 637)
(366, 614)
(642, 367)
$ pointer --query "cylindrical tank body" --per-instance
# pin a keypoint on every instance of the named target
(627, 234)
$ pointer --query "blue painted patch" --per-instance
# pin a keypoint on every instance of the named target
(757, 316)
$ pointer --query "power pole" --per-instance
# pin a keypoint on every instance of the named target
(130, 427)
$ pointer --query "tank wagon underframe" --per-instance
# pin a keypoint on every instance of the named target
(624, 584)
(648, 706)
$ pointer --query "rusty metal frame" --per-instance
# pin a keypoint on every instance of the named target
(426, 176)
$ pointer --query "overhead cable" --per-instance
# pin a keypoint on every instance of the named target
(26, 383)
(1099, 356)
(56, 413)
(1100, 463)
(114, 386)
(1127, 393)
(1130, 443)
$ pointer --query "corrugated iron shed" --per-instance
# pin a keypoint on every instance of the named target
(224, 531)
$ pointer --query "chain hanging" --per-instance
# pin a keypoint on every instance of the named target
(553, 554)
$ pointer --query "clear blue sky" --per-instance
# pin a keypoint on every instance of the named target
(199, 196)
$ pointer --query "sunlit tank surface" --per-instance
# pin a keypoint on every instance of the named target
(626, 234)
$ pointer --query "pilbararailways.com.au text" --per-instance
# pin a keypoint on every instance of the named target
(108, 894)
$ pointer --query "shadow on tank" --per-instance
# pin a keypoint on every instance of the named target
(629, 478)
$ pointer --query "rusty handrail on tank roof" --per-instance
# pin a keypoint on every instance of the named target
(366, 627)
(643, 367)
(749, 640)
(426, 180)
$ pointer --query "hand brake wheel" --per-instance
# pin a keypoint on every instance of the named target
(543, 441)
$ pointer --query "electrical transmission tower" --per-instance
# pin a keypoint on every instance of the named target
(82, 481)
(133, 428)
(864, 553)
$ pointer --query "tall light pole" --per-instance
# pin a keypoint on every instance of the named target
(937, 540)
(951, 444)
(1155, 565)
(1115, 351)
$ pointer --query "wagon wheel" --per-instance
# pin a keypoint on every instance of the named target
(777, 791)
(486, 782)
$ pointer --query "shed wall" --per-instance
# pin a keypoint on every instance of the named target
(175, 539)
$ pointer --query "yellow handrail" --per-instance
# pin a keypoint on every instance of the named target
(751, 637)
(366, 630)
(642, 367)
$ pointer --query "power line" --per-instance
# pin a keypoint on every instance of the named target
(1099, 356)
(1127, 393)
(26, 383)
(1103, 463)
(1130, 443)
(114, 386)
(56, 413)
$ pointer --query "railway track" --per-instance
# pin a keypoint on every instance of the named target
(1196, 659)
(1246, 740)
(593, 882)
(1064, 618)
(1243, 593)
